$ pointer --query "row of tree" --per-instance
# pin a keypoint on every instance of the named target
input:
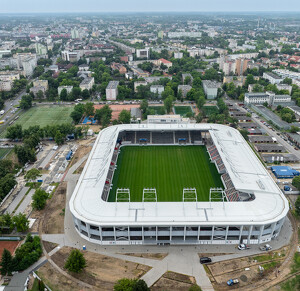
(7, 178)
(8, 223)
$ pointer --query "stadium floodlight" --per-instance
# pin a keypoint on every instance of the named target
(217, 195)
(189, 195)
(149, 195)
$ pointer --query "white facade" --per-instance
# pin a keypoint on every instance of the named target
(178, 55)
(87, 83)
(269, 97)
(112, 90)
(6, 85)
(143, 53)
(29, 65)
(157, 89)
(68, 88)
(287, 74)
(180, 34)
(273, 78)
(210, 89)
(253, 221)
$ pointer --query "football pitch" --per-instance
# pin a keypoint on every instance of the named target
(169, 169)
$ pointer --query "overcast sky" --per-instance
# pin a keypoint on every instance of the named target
(19, 6)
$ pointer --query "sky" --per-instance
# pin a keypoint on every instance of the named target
(27, 6)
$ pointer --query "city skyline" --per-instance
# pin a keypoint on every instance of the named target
(75, 6)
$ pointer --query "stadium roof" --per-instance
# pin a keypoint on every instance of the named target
(245, 170)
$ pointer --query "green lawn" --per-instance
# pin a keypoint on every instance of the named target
(3, 152)
(208, 110)
(182, 110)
(169, 169)
(44, 115)
(160, 110)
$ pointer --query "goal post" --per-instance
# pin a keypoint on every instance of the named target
(123, 195)
(217, 195)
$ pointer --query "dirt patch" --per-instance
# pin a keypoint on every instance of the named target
(53, 221)
(116, 109)
(80, 153)
(102, 271)
(9, 245)
(80, 168)
(49, 246)
(156, 256)
(56, 281)
(173, 281)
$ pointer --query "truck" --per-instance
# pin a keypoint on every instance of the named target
(231, 282)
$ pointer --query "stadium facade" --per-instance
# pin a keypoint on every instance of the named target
(252, 208)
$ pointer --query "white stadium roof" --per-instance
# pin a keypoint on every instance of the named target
(244, 168)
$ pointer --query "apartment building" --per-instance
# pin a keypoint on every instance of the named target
(87, 83)
(273, 78)
(210, 89)
(112, 90)
(241, 66)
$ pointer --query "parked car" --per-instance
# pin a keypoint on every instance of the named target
(266, 247)
(231, 282)
(205, 260)
(243, 247)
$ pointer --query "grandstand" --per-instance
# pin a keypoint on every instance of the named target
(246, 206)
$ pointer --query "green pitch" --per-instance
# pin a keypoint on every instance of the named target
(169, 169)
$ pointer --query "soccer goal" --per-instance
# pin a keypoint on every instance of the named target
(149, 195)
(123, 195)
(189, 195)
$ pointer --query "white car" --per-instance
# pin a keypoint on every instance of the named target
(243, 247)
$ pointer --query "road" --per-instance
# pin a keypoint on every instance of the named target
(272, 133)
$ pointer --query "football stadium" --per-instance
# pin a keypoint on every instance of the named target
(182, 183)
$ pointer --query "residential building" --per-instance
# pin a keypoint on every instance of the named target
(116, 66)
(269, 97)
(124, 59)
(139, 72)
(68, 88)
(287, 74)
(273, 78)
(29, 64)
(165, 62)
(36, 89)
(284, 87)
(237, 81)
(139, 83)
(143, 53)
(112, 90)
(9, 75)
(180, 34)
(187, 75)
(178, 55)
(184, 89)
(210, 89)
(83, 67)
(41, 83)
(41, 50)
(87, 83)
(241, 66)
(72, 57)
(157, 89)
(229, 67)
(6, 85)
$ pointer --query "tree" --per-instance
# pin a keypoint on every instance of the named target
(124, 116)
(195, 288)
(244, 133)
(40, 95)
(89, 109)
(6, 263)
(104, 115)
(25, 154)
(131, 285)
(59, 138)
(85, 94)
(296, 182)
(21, 222)
(140, 285)
(26, 102)
(297, 203)
(14, 132)
(77, 113)
(75, 262)
(63, 95)
(287, 81)
(32, 174)
(294, 129)
(168, 103)
(39, 199)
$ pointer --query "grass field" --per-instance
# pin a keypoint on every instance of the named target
(3, 152)
(169, 169)
(44, 115)
(208, 110)
(182, 110)
(158, 109)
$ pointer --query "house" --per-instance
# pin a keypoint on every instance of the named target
(184, 89)
(210, 89)
(87, 83)
(112, 90)
(116, 66)
(157, 89)
(83, 67)
(165, 62)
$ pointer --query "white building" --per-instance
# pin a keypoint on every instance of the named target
(157, 89)
(178, 55)
(87, 83)
(143, 53)
(287, 74)
(269, 97)
(284, 87)
(180, 34)
(6, 85)
(112, 90)
(29, 65)
(40, 49)
(41, 83)
(139, 83)
(68, 88)
(210, 89)
(273, 78)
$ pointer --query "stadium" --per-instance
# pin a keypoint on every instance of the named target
(179, 183)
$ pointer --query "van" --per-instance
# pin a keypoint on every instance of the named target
(205, 260)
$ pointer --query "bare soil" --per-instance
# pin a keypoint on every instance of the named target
(53, 221)
(173, 281)
(102, 271)
(80, 153)
(49, 246)
(155, 256)
(80, 168)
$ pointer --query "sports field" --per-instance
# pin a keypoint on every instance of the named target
(45, 115)
(182, 110)
(4, 152)
(169, 169)
(209, 110)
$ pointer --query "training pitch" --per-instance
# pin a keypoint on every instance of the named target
(45, 115)
(169, 169)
